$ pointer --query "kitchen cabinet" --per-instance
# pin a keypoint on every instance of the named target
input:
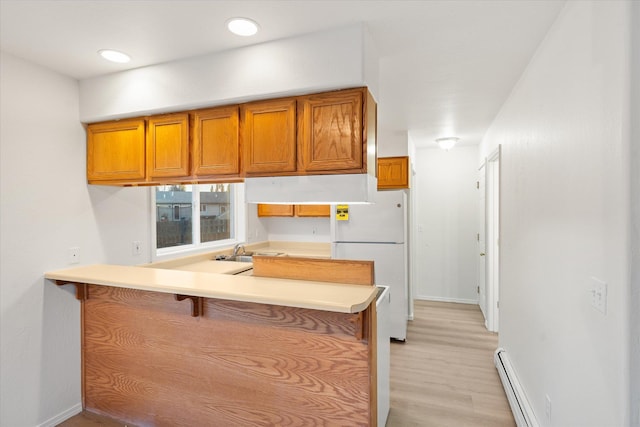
(331, 132)
(393, 173)
(268, 134)
(216, 142)
(168, 146)
(312, 210)
(138, 151)
(274, 210)
(116, 151)
(326, 133)
(293, 210)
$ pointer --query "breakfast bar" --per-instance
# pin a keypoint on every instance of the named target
(199, 344)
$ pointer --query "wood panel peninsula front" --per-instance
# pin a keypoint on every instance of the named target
(163, 347)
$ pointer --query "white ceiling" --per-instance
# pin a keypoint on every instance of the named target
(446, 67)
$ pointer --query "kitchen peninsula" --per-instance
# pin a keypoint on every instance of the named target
(170, 346)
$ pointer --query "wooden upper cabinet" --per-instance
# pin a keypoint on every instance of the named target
(393, 172)
(216, 142)
(331, 131)
(168, 146)
(325, 133)
(275, 210)
(268, 133)
(116, 151)
(312, 210)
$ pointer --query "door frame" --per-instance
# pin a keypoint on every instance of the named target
(492, 238)
(481, 239)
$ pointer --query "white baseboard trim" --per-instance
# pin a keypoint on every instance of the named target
(444, 299)
(520, 407)
(63, 416)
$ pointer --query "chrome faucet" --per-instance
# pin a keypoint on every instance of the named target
(237, 248)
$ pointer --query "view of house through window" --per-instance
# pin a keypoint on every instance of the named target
(193, 214)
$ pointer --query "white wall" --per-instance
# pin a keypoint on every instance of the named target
(565, 218)
(307, 64)
(445, 246)
(635, 217)
(393, 143)
(297, 229)
(47, 207)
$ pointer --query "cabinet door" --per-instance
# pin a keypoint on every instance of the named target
(312, 210)
(216, 148)
(393, 172)
(269, 137)
(168, 146)
(115, 151)
(331, 131)
(275, 210)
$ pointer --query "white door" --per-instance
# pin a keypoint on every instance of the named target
(481, 258)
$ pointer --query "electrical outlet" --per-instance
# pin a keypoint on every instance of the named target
(547, 408)
(74, 255)
(314, 230)
(137, 247)
(599, 295)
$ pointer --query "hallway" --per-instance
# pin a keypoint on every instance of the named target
(444, 374)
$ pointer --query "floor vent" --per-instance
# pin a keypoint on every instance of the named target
(520, 407)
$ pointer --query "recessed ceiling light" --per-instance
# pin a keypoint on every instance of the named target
(114, 56)
(242, 26)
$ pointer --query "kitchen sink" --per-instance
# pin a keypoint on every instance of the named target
(247, 256)
(236, 258)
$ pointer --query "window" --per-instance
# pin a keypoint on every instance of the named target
(195, 216)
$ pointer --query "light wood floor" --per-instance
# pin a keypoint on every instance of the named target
(442, 376)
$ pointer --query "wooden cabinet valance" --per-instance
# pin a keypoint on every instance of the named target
(326, 133)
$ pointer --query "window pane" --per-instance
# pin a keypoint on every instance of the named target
(215, 212)
(173, 215)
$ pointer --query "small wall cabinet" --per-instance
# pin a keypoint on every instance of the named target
(274, 210)
(116, 151)
(216, 142)
(331, 132)
(312, 210)
(265, 210)
(393, 173)
(269, 136)
(168, 146)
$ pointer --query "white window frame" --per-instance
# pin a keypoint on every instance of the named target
(238, 224)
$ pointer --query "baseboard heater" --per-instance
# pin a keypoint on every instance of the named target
(522, 411)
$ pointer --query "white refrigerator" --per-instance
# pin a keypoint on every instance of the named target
(378, 232)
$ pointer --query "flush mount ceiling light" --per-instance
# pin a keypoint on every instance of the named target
(114, 56)
(242, 26)
(447, 143)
